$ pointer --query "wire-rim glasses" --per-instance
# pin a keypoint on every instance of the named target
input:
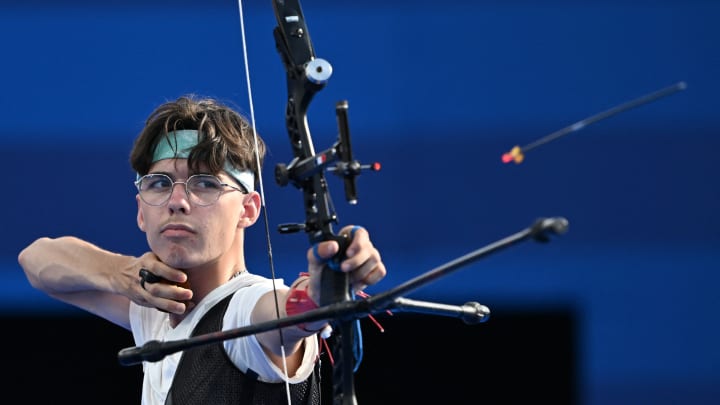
(201, 189)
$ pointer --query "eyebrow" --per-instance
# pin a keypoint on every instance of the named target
(173, 177)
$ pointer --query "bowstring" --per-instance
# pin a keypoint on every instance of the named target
(262, 197)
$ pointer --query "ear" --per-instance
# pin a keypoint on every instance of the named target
(251, 210)
(140, 217)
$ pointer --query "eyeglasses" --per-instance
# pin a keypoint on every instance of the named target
(201, 189)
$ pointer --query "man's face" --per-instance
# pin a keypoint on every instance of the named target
(184, 235)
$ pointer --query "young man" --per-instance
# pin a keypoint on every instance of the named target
(197, 172)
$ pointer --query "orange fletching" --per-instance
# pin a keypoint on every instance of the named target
(515, 155)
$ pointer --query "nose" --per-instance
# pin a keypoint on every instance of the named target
(179, 197)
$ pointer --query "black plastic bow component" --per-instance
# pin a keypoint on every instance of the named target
(306, 75)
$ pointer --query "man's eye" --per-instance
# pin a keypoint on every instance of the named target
(157, 183)
(209, 183)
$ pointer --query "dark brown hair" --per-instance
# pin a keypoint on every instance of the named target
(225, 135)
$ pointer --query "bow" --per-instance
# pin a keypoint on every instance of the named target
(307, 75)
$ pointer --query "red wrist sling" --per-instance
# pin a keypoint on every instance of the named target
(298, 302)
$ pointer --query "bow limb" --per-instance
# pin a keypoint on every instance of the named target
(307, 75)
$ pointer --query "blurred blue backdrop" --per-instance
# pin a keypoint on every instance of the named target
(437, 93)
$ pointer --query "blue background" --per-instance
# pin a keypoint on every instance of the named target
(437, 92)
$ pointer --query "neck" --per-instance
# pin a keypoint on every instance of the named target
(204, 279)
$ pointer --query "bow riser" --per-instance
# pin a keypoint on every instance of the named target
(307, 75)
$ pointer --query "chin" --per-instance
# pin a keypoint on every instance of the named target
(174, 256)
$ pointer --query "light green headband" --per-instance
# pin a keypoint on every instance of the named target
(178, 144)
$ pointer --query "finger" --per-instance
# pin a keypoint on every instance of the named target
(359, 271)
(361, 281)
(162, 294)
(374, 276)
(162, 297)
(152, 264)
(146, 276)
(364, 254)
(327, 249)
(321, 252)
(358, 237)
(170, 292)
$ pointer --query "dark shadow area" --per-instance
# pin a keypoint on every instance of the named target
(69, 360)
(513, 358)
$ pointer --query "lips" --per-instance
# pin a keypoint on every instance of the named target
(176, 230)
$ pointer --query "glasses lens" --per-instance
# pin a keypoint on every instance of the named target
(204, 189)
(201, 189)
(155, 189)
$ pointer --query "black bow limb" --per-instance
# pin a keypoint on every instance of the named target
(306, 75)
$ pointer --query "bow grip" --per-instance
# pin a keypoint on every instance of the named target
(335, 283)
